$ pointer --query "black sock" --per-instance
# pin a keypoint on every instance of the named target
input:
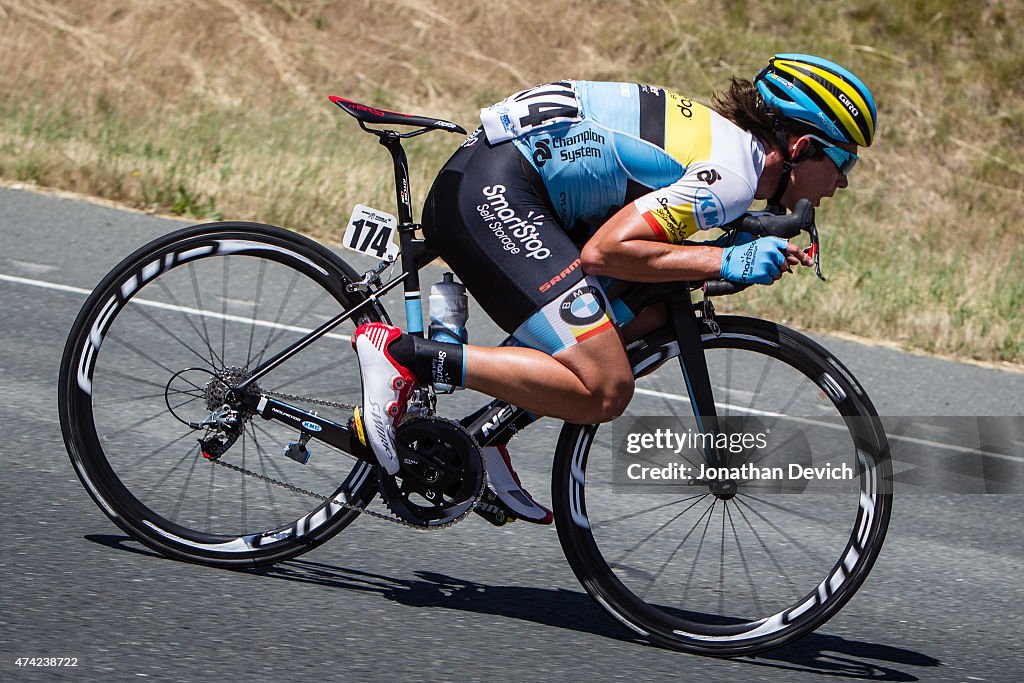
(430, 361)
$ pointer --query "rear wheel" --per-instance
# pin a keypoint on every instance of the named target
(735, 566)
(155, 347)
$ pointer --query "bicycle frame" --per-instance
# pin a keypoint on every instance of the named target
(498, 421)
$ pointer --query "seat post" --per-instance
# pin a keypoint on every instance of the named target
(393, 142)
(411, 248)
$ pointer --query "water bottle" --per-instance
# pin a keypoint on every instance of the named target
(449, 311)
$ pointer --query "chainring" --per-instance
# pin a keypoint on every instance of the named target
(441, 476)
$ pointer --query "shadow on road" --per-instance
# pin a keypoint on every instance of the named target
(818, 653)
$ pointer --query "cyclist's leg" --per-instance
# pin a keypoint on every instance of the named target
(588, 382)
(490, 219)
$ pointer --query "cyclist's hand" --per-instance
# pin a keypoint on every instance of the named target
(795, 256)
(759, 262)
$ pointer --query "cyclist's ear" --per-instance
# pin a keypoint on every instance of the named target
(800, 148)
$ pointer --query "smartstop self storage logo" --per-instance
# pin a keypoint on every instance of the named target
(729, 456)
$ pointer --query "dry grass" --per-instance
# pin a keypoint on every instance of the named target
(218, 107)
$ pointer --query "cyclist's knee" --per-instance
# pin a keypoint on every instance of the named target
(607, 378)
(613, 397)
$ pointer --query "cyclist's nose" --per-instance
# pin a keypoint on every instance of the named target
(843, 182)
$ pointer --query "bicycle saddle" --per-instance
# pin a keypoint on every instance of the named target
(367, 114)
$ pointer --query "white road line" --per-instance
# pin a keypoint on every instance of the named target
(168, 307)
(639, 390)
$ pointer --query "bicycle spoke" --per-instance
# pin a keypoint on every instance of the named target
(163, 448)
(129, 399)
(162, 412)
(205, 335)
(188, 480)
(631, 515)
(810, 553)
(281, 332)
(764, 546)
(803, 515)
(700, 547)
(256, 307)
(282, 307)
(113, 337)
(658, 530)
(148, 316)
(665, 564)
(743, 559)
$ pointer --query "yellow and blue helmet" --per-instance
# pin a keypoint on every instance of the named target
(819, 93)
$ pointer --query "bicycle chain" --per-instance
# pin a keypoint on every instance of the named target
(326, 499)
(309, 399)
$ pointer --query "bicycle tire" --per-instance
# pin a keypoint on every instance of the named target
(704, 629)
(207, 296)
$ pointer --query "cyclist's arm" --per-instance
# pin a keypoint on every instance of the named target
(625, 248)
(642, 242)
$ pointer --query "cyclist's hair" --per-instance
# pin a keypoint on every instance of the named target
(742, 104)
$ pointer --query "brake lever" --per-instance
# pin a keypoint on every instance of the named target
(814, 251)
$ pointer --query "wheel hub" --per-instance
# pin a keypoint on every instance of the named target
(723, 489)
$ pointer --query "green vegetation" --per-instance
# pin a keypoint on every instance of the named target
(222, 111)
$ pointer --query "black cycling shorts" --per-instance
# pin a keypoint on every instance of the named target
(490, 218)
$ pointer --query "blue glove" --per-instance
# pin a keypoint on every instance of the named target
(755, 263)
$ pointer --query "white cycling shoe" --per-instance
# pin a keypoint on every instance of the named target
(503, 481)
(386, 388)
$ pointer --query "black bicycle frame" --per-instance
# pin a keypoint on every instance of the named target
(498, 421)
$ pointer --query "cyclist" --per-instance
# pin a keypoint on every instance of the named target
(568, 189)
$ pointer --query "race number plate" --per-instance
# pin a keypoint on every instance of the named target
(371, 232)
(531, 110)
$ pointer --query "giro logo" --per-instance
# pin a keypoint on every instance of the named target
(849, 105)
(542, 153)
(582, 306)
(709, 176)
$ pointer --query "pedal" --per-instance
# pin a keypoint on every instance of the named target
(493, 513)
(298, 451)
(357, 424)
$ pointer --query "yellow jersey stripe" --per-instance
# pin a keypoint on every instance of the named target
(687, 129)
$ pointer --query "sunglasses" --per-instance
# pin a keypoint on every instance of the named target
(844, 161)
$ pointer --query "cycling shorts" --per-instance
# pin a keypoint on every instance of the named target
(490, 218)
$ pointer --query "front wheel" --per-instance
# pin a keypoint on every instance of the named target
(737, 565)
(154, 349)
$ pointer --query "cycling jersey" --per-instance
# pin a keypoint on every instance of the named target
(514, 205)
(599, 146)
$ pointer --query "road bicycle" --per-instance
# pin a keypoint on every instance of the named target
(205, 368)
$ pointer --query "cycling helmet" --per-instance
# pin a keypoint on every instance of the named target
(820, 93)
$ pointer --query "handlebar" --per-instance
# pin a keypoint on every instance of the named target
(770, 225)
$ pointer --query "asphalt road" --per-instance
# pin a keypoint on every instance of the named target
(471, 603)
